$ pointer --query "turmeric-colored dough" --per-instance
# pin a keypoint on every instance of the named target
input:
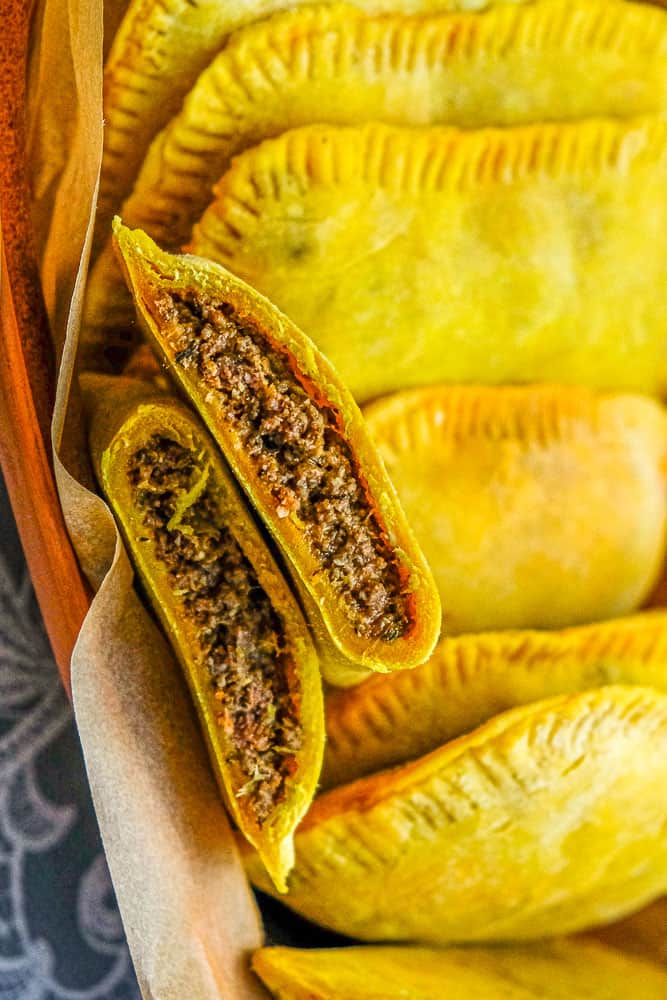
(389, 720)
(157, 54)
(493, 256)
(546, 61)
(548, 819)
(234, 624)
(536, 506)
(509, 65)
(560, 970)
(298, 445)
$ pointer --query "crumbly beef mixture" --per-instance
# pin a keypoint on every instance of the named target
(240, 635)
(294, 439)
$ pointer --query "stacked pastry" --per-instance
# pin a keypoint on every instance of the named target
(454, 220)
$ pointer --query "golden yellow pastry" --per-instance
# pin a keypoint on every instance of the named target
(231, 618)
(536, 506)
(159, 50)
(433, 255)
(548, 819)
(395, 718)
(299, 447)
(334, 64)
(559, 970)
(544, 61)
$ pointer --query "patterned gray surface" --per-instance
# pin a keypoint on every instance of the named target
(60, 933)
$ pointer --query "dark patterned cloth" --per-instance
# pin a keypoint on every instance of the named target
(60, 933)
(61, 936)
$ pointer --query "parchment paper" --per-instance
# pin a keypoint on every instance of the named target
(189, 915)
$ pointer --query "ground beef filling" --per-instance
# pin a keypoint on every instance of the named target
(299, 452)
(240, 635)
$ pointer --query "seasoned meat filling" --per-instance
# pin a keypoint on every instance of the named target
(240, 635)
(295, 441)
